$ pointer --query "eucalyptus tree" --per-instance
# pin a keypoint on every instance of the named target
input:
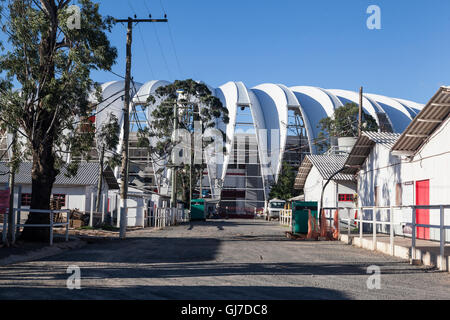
(52, 48)
(344, 123)
(198, 112)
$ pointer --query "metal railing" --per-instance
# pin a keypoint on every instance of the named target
(17, 224)
(413, 224)
(286, 217)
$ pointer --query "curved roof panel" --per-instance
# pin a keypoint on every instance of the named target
(346, 96)
(269, 105)
(396, 112)
(316, 105)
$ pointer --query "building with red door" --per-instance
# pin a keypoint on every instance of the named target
(408, 169)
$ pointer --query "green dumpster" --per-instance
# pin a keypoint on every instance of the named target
(300, 215)
(198, 209)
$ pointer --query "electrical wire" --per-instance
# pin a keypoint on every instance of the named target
(172, 41)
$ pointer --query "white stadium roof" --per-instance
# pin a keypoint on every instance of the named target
(269, 104)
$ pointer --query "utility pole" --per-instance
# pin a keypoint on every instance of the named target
(173, 196)
(126, 122)
(360, 111)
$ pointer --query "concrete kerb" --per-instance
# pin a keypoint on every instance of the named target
(425, 258)
(47, 251)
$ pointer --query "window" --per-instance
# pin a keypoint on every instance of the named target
(277, 205)
(346, 198)
(25, 200)
(61, 199)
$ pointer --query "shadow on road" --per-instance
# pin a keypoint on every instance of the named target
(175, 293)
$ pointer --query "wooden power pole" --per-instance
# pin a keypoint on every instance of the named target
(126, 122)
(360, 111)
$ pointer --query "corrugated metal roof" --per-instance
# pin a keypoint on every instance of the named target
(364, 145)
(87, 175)
(386, 139)
(424, 124)
(327, 165)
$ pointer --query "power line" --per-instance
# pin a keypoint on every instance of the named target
(172, 41)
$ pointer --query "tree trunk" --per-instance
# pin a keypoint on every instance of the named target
(100, 181)
(43, 176)
(9, 234)
(12, 177)
(43, 173)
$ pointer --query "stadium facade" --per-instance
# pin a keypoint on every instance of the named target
(261, 117)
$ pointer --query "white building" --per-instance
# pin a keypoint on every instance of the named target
(407, 169)
(314, 173)
(71, 192)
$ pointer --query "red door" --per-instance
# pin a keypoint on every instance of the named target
(423, 215)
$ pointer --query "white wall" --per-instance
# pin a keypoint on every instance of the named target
(135, 215)
(313, 190)
(385, 170)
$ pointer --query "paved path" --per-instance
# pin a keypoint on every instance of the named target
(220, 259)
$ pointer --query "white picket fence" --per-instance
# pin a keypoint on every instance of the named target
(165, 217)
(286, 217)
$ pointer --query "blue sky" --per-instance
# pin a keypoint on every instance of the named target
(295, 42)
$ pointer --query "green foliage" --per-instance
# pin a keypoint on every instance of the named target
(108, 137)
(197, 104)
(284, 188)
(343, 124)
(51, 64)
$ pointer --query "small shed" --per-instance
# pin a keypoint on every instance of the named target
(313, 174)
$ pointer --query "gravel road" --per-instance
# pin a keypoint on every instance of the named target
(220, 259)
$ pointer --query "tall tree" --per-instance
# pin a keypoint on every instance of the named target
(197, 104)
(344, 123)
(51, 58)
(284, 188)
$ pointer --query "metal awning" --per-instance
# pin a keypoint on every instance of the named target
(424, 124)
(327, 165)
(363, 147)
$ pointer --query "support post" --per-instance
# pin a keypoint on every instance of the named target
(104, 208)
(413, 236)
(374, 230)
(13, 219)
(391, 230)
(442, 240)
(91, 217)
(51, 227)
(360, 225)
(360, 111)
(118, 206)
(348, 225)
(67, 224)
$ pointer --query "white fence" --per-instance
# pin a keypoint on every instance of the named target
(286, 217)
(17, 223)
(350, 221)
(165, 217)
